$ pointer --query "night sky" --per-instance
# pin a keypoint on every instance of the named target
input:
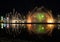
(24, 6)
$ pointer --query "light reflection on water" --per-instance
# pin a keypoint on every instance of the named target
(10, 25)
(36, 28)
(10, 28)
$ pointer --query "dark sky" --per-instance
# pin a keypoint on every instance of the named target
(23, 6)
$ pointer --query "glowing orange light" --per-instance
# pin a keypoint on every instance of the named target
(50, 25)
(29, 20)
(50, 20)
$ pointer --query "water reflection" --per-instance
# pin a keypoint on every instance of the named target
(33, 28)
(12, 28)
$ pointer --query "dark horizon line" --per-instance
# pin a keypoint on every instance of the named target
(29, 23)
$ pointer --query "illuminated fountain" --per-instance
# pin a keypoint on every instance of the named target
(12, 21)
(13, 17)
(38, 21)
(42, 16)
